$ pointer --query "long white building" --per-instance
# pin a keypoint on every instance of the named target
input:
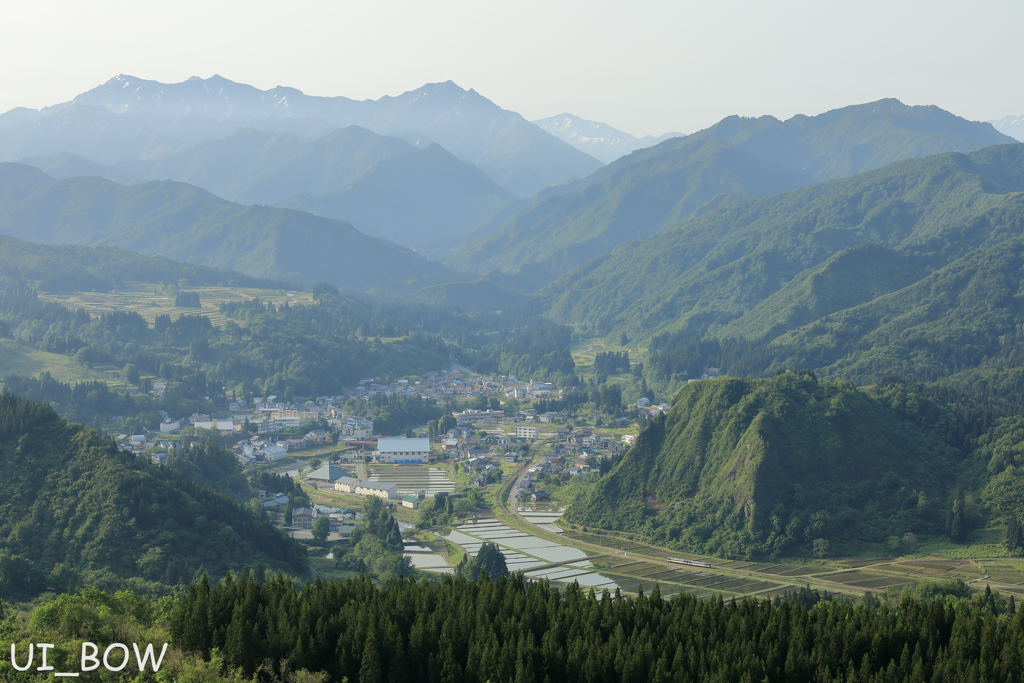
(403, 450)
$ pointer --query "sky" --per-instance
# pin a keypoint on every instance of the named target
(644, 67)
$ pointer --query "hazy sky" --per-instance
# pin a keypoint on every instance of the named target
(644, 67)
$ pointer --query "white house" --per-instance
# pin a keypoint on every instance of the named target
(403, 450)
(381, 489)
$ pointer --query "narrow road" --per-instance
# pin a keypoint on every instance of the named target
(361, 471)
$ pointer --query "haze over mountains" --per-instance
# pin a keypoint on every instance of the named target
(652, 189)
(386, 186)
(598, 139)
(132, 118)
(189, 224)
(436, 168)
(1010, 125)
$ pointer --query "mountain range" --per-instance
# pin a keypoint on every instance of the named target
(914, 268)
(652, 189)
(597, 139)
(1010, 125)
(186, 223)
(383, 185)
(132, 118)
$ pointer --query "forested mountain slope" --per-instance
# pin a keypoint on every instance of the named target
(883, 264)
(70, 267)
(652, 189)
(263, 167)
(794, 466)
(182, 222)
(383, 185)
(75, 511)
(417, 199)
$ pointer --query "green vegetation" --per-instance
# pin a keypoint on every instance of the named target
(652, 189)
(488, 559)
(75, 511)
(75, 268)
(910, 269)
(375, 545)
(792, 466)
(181, 221)
(518, 630)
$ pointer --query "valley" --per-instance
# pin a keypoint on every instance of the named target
(268, 355)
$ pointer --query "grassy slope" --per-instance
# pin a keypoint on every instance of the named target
(19, 359)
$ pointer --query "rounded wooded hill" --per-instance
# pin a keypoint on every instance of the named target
(768, 466)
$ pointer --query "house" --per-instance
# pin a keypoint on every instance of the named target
(170, 426)
(538, 495)
(381, 489)
(411, 502)
(346, 484)
(525, 432)
(273, 453)
(510, 457)
(403, 450)
(303, 518)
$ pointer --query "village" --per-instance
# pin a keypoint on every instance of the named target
(330, 447)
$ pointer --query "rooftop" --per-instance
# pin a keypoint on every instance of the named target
(403, 445)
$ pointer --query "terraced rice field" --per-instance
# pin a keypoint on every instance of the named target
(149, 301)
(413, 478)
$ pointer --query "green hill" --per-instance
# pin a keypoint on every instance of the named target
(75, 511)
(185, 223)
(746, 467)
(415, 199)
(70, 267)
(909, 269)
(652, 189)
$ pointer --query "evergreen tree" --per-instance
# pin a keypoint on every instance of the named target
(1014, 534)
(956, 519)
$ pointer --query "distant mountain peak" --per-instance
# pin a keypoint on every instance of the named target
(1011, 125)
(597, 139)
(515, 154)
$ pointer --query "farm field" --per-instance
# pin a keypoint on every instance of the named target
(609, 565)
(149, 301)
(19, 359)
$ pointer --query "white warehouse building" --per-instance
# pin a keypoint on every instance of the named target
(403, 450)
